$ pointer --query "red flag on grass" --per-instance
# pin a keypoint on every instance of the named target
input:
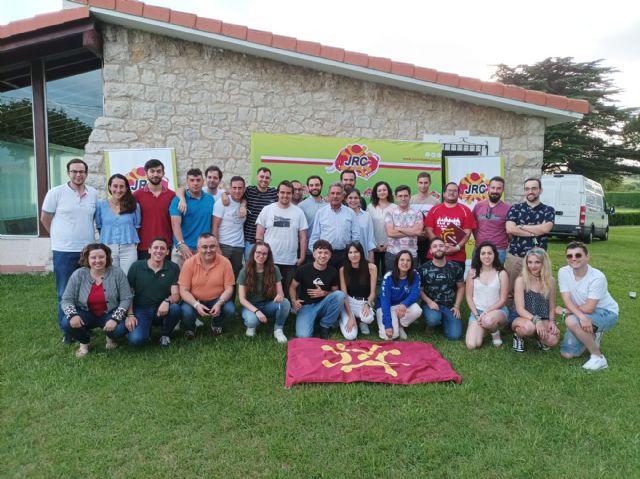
(319, 361)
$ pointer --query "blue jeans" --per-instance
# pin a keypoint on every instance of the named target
(64, 264)
(247, 250)
(603, 319)
(147, 317)
(327, 310)
(270, 309)
(189, 314)
(91, 321)
(451, 325)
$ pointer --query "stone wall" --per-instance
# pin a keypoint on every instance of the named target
(205, 102)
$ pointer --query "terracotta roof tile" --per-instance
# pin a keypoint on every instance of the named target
(133, 7)
(156, 13)
(235, 31)
(259, 36)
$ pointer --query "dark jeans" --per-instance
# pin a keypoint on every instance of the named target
(64, 264)
(91, 321)
(147, 317)
(189, 314)
(378, 260)
(288, 271)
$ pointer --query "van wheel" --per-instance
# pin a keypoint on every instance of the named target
(605, 236)
(588, 238)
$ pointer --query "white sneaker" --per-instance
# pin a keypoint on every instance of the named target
(402, 335)
(279, 335)
(496, 339)
(199, 323)
(251, 332)
(111, 344)
(595, 363)
(364, 328)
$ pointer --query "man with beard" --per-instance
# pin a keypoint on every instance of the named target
(348, 180)
(312, 204)
(451, 221)
(491, 218)
(423, 201)
(403, 225)
(528, 223)
(154, 200)
(213, 178)
(443, 290)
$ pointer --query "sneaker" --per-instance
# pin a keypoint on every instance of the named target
(111, 344)
(496, 340)
(199, 323)
(518, 344)
(279, 335)
(251, 332)
(402, 335)
(595, 363)
(543, 346)
(189, 335)
(165, 341)
(325, 332)
(364, 329)
(599, 337)
(216, 330)
(82, 351)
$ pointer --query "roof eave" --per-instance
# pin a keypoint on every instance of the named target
(552, 116)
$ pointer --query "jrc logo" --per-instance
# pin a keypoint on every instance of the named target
(473, 187)
(357, 158)
(137, 179)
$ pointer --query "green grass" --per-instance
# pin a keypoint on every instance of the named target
(218, 408)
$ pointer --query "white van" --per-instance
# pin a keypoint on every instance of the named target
(580, 207)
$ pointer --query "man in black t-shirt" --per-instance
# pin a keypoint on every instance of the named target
(443, 291)
(319, 294)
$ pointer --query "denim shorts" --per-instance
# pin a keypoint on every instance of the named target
(504, 309)
(602, 318)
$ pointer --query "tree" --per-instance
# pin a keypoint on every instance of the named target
(601, 145)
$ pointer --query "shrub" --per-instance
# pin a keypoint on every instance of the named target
(625, 219)
(623, 199)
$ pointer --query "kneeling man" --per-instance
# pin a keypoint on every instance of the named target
(319, 294)
(206, 286)
(154, 282)
(591, 309)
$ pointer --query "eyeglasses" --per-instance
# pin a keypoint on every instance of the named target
(572, 255)
(536, 251)
(207, 247)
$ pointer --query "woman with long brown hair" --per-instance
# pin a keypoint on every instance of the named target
(358, 283)
(260, 292)
(118, 220)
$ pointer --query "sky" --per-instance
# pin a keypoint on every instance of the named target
(465, 37)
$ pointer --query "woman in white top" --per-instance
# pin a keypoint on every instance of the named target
(381, 204)
(487, 290)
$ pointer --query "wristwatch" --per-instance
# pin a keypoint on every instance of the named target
(536, 319)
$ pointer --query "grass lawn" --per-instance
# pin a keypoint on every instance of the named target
(218, 408)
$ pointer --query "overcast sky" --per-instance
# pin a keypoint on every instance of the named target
(464, 37)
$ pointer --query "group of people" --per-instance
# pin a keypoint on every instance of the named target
(172, 258)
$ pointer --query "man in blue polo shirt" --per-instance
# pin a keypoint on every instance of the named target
(198, 218)
(67, 214)
(528, 223)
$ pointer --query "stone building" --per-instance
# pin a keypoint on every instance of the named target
(105, 74)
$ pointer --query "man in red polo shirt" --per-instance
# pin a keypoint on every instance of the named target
(451, 221)
(154, 200)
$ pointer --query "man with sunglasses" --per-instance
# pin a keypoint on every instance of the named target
(589, 307)
(491, 218)
(528, 224)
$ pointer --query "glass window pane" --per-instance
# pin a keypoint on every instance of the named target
(73, 104)
(18, 190)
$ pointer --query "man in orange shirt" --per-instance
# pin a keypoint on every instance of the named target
(206, 286)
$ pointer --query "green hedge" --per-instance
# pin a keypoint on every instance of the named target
(624, 219)
(625, 199)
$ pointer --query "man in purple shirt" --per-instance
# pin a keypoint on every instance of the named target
(491, 218)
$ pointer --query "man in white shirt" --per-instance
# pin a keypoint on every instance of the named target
(589, 307)
(228, 225)
(284, 227)
(67, 214)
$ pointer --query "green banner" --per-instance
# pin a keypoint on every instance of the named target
(296, 157)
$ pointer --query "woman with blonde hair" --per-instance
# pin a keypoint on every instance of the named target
(535, 302)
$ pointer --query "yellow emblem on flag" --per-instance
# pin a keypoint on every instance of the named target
(366, 356)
